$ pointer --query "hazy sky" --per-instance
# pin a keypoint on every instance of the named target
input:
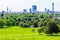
(19, 5)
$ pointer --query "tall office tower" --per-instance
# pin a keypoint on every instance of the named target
(10, 11)
(24, 10)
(53, 7)
(45, 10)
(7, 9)
(30, 10)
(34, 9)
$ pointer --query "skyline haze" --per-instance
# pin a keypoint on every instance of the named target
(19, 5)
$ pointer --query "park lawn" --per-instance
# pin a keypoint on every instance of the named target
(18, 33)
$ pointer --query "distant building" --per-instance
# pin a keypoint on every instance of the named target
(52, 7)
(10, 11)
(45, 10)
(48, 11)
(7, 9)
(24, 10)
(34, 8)
(30, 10)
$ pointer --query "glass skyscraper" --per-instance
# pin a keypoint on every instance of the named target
(34, 8)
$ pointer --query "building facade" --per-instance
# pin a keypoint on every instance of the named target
(34, 9)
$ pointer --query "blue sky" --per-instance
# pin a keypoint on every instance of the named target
(19, 5)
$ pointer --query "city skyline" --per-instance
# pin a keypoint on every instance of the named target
(19, 5)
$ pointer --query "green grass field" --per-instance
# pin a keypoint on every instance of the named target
(17, 33)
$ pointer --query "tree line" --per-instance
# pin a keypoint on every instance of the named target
(47, 23)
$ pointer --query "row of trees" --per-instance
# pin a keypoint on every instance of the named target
(25, 20)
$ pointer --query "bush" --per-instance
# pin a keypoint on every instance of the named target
(33, 30)
(40, 30)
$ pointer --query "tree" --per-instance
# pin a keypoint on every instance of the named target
(42, 16)
(8, 23)
(42, 29)
(35, 24)
(2, 23)
(2, 14)
(52, 28)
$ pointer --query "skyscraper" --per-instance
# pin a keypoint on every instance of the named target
(24, 10)
(10, 11)
(30, 10)
(7, 9)
(34, 8)
(45, 10)
(53, 7)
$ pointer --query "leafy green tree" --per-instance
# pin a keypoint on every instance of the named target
(35, 24)
(2, 14)
(52, 28)
(2, 23)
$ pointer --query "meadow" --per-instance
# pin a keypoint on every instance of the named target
(18, 33)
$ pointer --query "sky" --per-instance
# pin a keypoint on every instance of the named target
(19, 5)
